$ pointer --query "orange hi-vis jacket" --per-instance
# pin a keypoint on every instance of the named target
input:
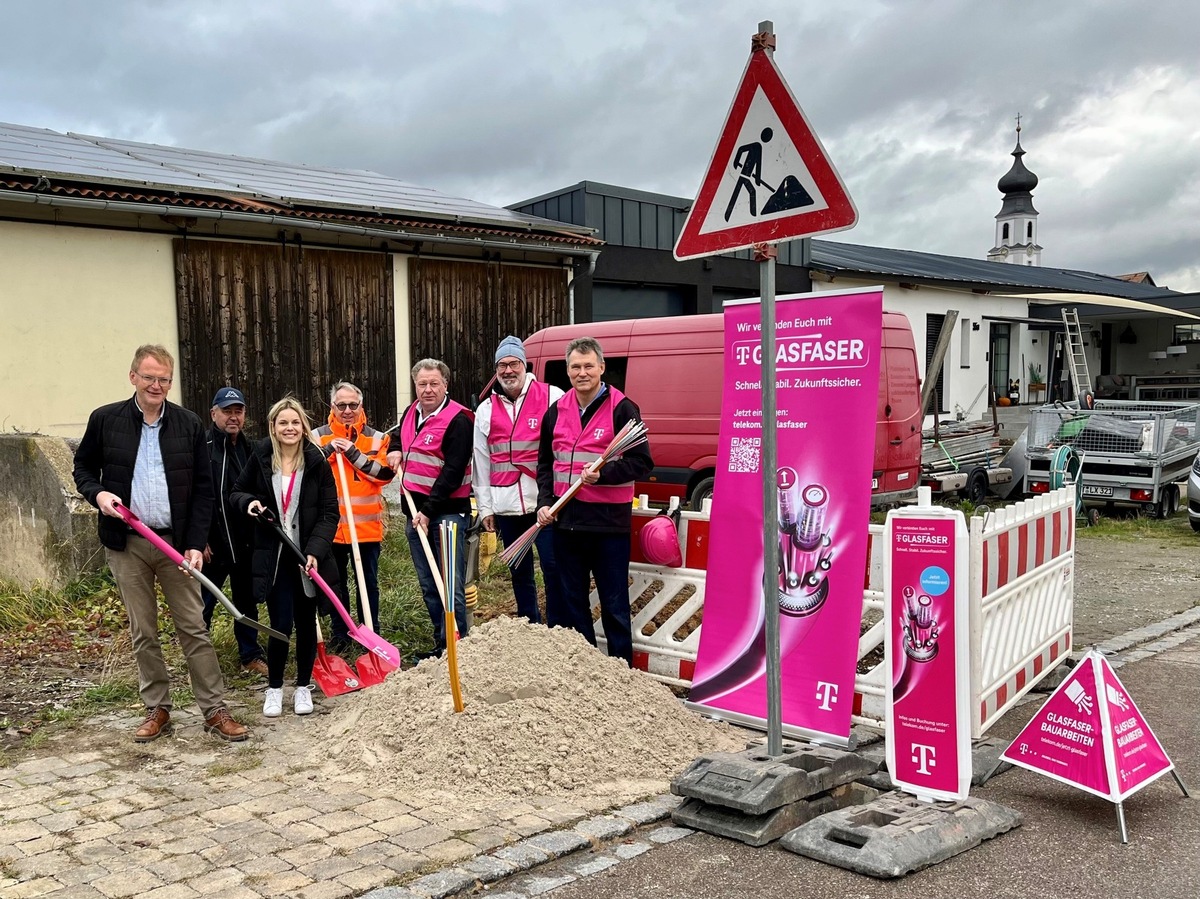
(367, 471)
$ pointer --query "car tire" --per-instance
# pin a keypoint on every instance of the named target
(1172, 500)
(1195, 523)
(976, 490)
(702, 491)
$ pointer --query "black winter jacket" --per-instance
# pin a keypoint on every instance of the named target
(230, 534)
(318, 511)
(107, 454)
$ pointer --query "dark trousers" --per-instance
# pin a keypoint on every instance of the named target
(582, 556)
(289, 607)
(343, 555)
(242, 588)
(429, 591)
(511, 527)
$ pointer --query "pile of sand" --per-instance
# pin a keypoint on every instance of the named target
(546, 715)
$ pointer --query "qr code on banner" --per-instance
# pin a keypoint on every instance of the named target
(744, 453)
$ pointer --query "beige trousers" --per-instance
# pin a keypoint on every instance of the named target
(136, 569)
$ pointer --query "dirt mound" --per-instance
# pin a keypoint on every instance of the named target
(546, 714)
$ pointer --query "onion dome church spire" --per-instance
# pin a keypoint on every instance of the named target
(1016, 223)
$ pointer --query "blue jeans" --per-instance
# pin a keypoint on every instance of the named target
(581, 556)
(342, 555)
(242, 589)
(429, 591)
(511, 527)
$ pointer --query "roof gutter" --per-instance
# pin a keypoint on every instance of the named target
(288, 222)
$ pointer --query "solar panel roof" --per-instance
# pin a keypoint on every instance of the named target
(99, 159)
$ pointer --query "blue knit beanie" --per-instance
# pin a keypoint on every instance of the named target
(511, 346)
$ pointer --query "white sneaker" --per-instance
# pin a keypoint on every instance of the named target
(302, 701)
(273, 703)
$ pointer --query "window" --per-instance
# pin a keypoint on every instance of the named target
(964, 349)
(614, 372)
(1029, 231)
(1185, 334)
(1004, 231)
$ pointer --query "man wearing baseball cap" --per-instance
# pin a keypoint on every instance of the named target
(229, 538)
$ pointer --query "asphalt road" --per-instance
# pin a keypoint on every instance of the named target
(1068, 845)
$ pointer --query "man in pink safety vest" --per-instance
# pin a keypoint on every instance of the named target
(507, 429)
(435, 457)
(592, 531)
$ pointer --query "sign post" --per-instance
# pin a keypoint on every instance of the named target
(768, 180)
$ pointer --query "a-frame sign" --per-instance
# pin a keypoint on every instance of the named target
(769, 178)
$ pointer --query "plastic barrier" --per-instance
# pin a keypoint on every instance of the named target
(1021, 598)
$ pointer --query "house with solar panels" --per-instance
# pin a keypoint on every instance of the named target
(269, 276)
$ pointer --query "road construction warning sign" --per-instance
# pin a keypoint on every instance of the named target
(1091, 735)
(769, 178)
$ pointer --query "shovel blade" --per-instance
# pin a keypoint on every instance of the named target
(372, 670)
(333, 675)
(376, 647)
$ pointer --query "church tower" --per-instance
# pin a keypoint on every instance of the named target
(1016, 223)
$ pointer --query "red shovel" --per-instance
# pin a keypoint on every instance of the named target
(370, 640)
(331, 673)
(370, 669)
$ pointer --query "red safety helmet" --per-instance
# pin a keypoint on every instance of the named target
(660, 540)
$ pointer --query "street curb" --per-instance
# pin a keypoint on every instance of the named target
(524, 855)
(1160, 636)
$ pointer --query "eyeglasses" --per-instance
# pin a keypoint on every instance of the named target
(149, 381)
(347, 407)
(509, 366)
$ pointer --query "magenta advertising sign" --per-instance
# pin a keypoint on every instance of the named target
(1090, 734)
(827, 385)
(927, 653)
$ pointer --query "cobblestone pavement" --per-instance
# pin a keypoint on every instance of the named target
(188, 815)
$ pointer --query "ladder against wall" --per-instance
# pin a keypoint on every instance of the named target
(1081, 378)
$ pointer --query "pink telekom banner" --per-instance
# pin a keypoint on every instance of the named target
(827, 385)
(927, 651)
(1091, 735)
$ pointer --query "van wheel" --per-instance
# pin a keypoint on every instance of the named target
(702, 491)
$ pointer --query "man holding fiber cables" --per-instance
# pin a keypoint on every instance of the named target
(592, 531)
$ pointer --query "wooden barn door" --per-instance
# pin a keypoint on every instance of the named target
(273, 320)
(460, 311)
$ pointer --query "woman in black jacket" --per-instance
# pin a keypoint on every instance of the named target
(288, 475)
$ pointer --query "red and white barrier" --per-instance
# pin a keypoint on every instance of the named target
(1021, 606)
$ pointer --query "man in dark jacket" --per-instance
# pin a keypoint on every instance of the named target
(592, 531)
(150, 455)
(228, 552)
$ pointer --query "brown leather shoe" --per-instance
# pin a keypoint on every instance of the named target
(256, 666)
(222, 724)
(157, 723)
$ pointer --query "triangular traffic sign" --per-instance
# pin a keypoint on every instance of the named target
(1090, 734)
(769, 178)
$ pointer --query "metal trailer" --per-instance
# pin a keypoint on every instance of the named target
(1134, 452)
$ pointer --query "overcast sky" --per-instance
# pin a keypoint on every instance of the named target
(502, 101)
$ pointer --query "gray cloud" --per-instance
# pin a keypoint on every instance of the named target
(500, 101)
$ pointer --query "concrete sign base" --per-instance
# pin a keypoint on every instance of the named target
(754, 783)
(758, 830)
(898, 834)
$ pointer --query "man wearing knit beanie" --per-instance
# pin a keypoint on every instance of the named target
(504, 477)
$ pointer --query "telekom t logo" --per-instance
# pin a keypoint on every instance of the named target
(924, 757)
(598, 433)
(827, 694)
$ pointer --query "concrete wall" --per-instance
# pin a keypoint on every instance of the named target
(47, 531)
(76, 303)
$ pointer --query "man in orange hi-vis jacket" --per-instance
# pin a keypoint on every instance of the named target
(364, 451)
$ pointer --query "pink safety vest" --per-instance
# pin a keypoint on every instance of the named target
(514, 445)
(574, 447)
(423, 456)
